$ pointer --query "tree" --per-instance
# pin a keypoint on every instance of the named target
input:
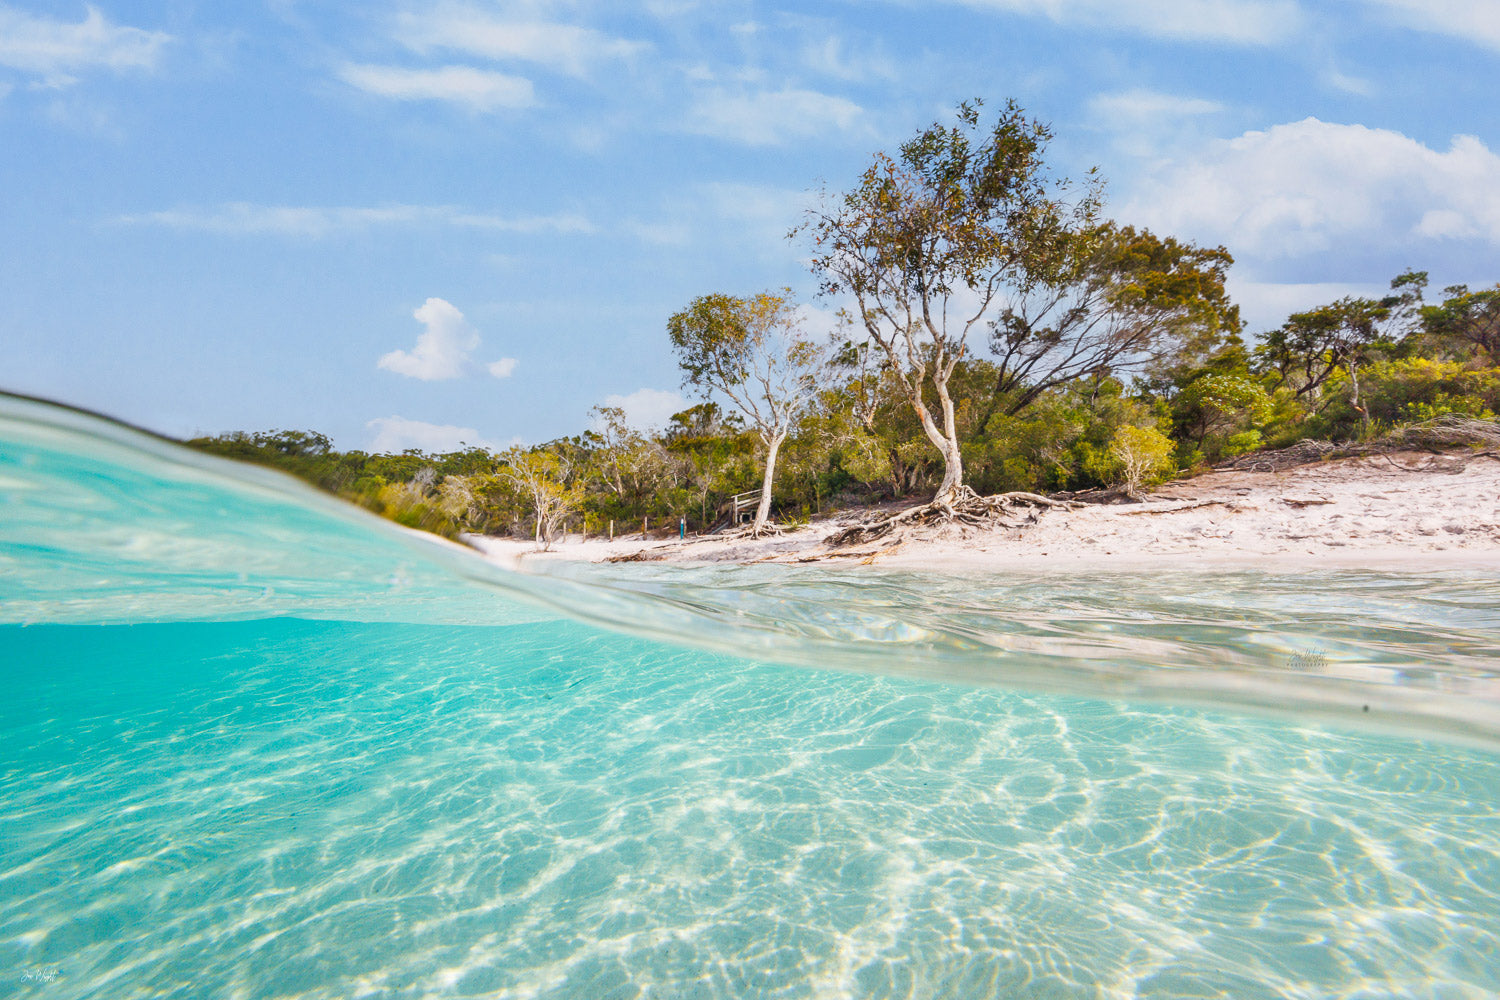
(632, 467)
(541, 479)
(1218, 404)
(754, 352)
(1466, 322)
(928, 244)
(1144, 453)
(1109, 300)
(1311, 346)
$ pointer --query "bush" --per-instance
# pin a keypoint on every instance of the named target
(1143, 456)
(1411, 390)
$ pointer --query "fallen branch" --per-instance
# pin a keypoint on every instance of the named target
(1173, 510)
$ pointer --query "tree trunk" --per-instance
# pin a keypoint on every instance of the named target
(947, 442)
(1364, 417)
(763, 512)
(953, 471)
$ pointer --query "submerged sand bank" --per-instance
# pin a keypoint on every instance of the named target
(1408, 510)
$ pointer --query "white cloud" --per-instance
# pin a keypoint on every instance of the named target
(479, 89)
(1130, 108)
(396, 434)
(504, 368)
(649, 408)
(1147, 123)
(242, 219)
(759, 209)
(1477, 21)
(1310, 186)
(53, 48)
(770, 118)
(442, 349)
(464, 28)
(1356, 85)
(832, 58)
(1241, 22)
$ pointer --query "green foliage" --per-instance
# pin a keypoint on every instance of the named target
(1466, 325)
(1213, 414)
(1142, 456)
(1409, 391)
(1312, 346)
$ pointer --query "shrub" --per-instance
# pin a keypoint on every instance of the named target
(1143, 454)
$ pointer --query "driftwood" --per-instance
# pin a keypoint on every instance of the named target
(1186, 506)
(965, 507)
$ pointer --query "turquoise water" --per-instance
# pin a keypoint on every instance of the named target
(253, 744)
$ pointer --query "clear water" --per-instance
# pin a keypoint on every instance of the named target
(253, 744)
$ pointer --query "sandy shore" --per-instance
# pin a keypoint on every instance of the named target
(1409, 510)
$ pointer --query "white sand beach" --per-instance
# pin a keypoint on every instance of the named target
(1412, 510)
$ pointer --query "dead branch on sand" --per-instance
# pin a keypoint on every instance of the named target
(1187, 506)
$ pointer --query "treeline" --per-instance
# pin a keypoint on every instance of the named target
(1351, 370)
(1001, 335)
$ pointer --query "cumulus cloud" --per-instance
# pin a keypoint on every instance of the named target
(53, 49)
(396, 434)
(770, 118)
(504, 368)
(479, 89)
(243, 219)
(464, 28)
(1476, 21)
(1312, 186)
(442, 349)
(1241, 22)
(649, 408)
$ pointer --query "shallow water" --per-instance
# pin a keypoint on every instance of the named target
(253, 744)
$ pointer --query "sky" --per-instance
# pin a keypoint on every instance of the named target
(418, 224)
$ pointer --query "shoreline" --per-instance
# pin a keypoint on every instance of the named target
(1403, 511)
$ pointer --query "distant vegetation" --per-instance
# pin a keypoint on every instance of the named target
(1002, 336)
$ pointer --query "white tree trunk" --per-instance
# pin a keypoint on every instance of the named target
(763, 512)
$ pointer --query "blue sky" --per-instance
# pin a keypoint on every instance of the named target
(409, 224)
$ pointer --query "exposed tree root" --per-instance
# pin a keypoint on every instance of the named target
(964, 506)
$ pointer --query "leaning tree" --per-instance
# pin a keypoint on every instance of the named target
(929, 242)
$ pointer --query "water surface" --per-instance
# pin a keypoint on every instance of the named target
(256, 744)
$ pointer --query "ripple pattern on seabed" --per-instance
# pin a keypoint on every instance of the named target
(333, 810)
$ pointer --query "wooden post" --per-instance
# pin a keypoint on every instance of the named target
(611, 529)
(644, 528)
